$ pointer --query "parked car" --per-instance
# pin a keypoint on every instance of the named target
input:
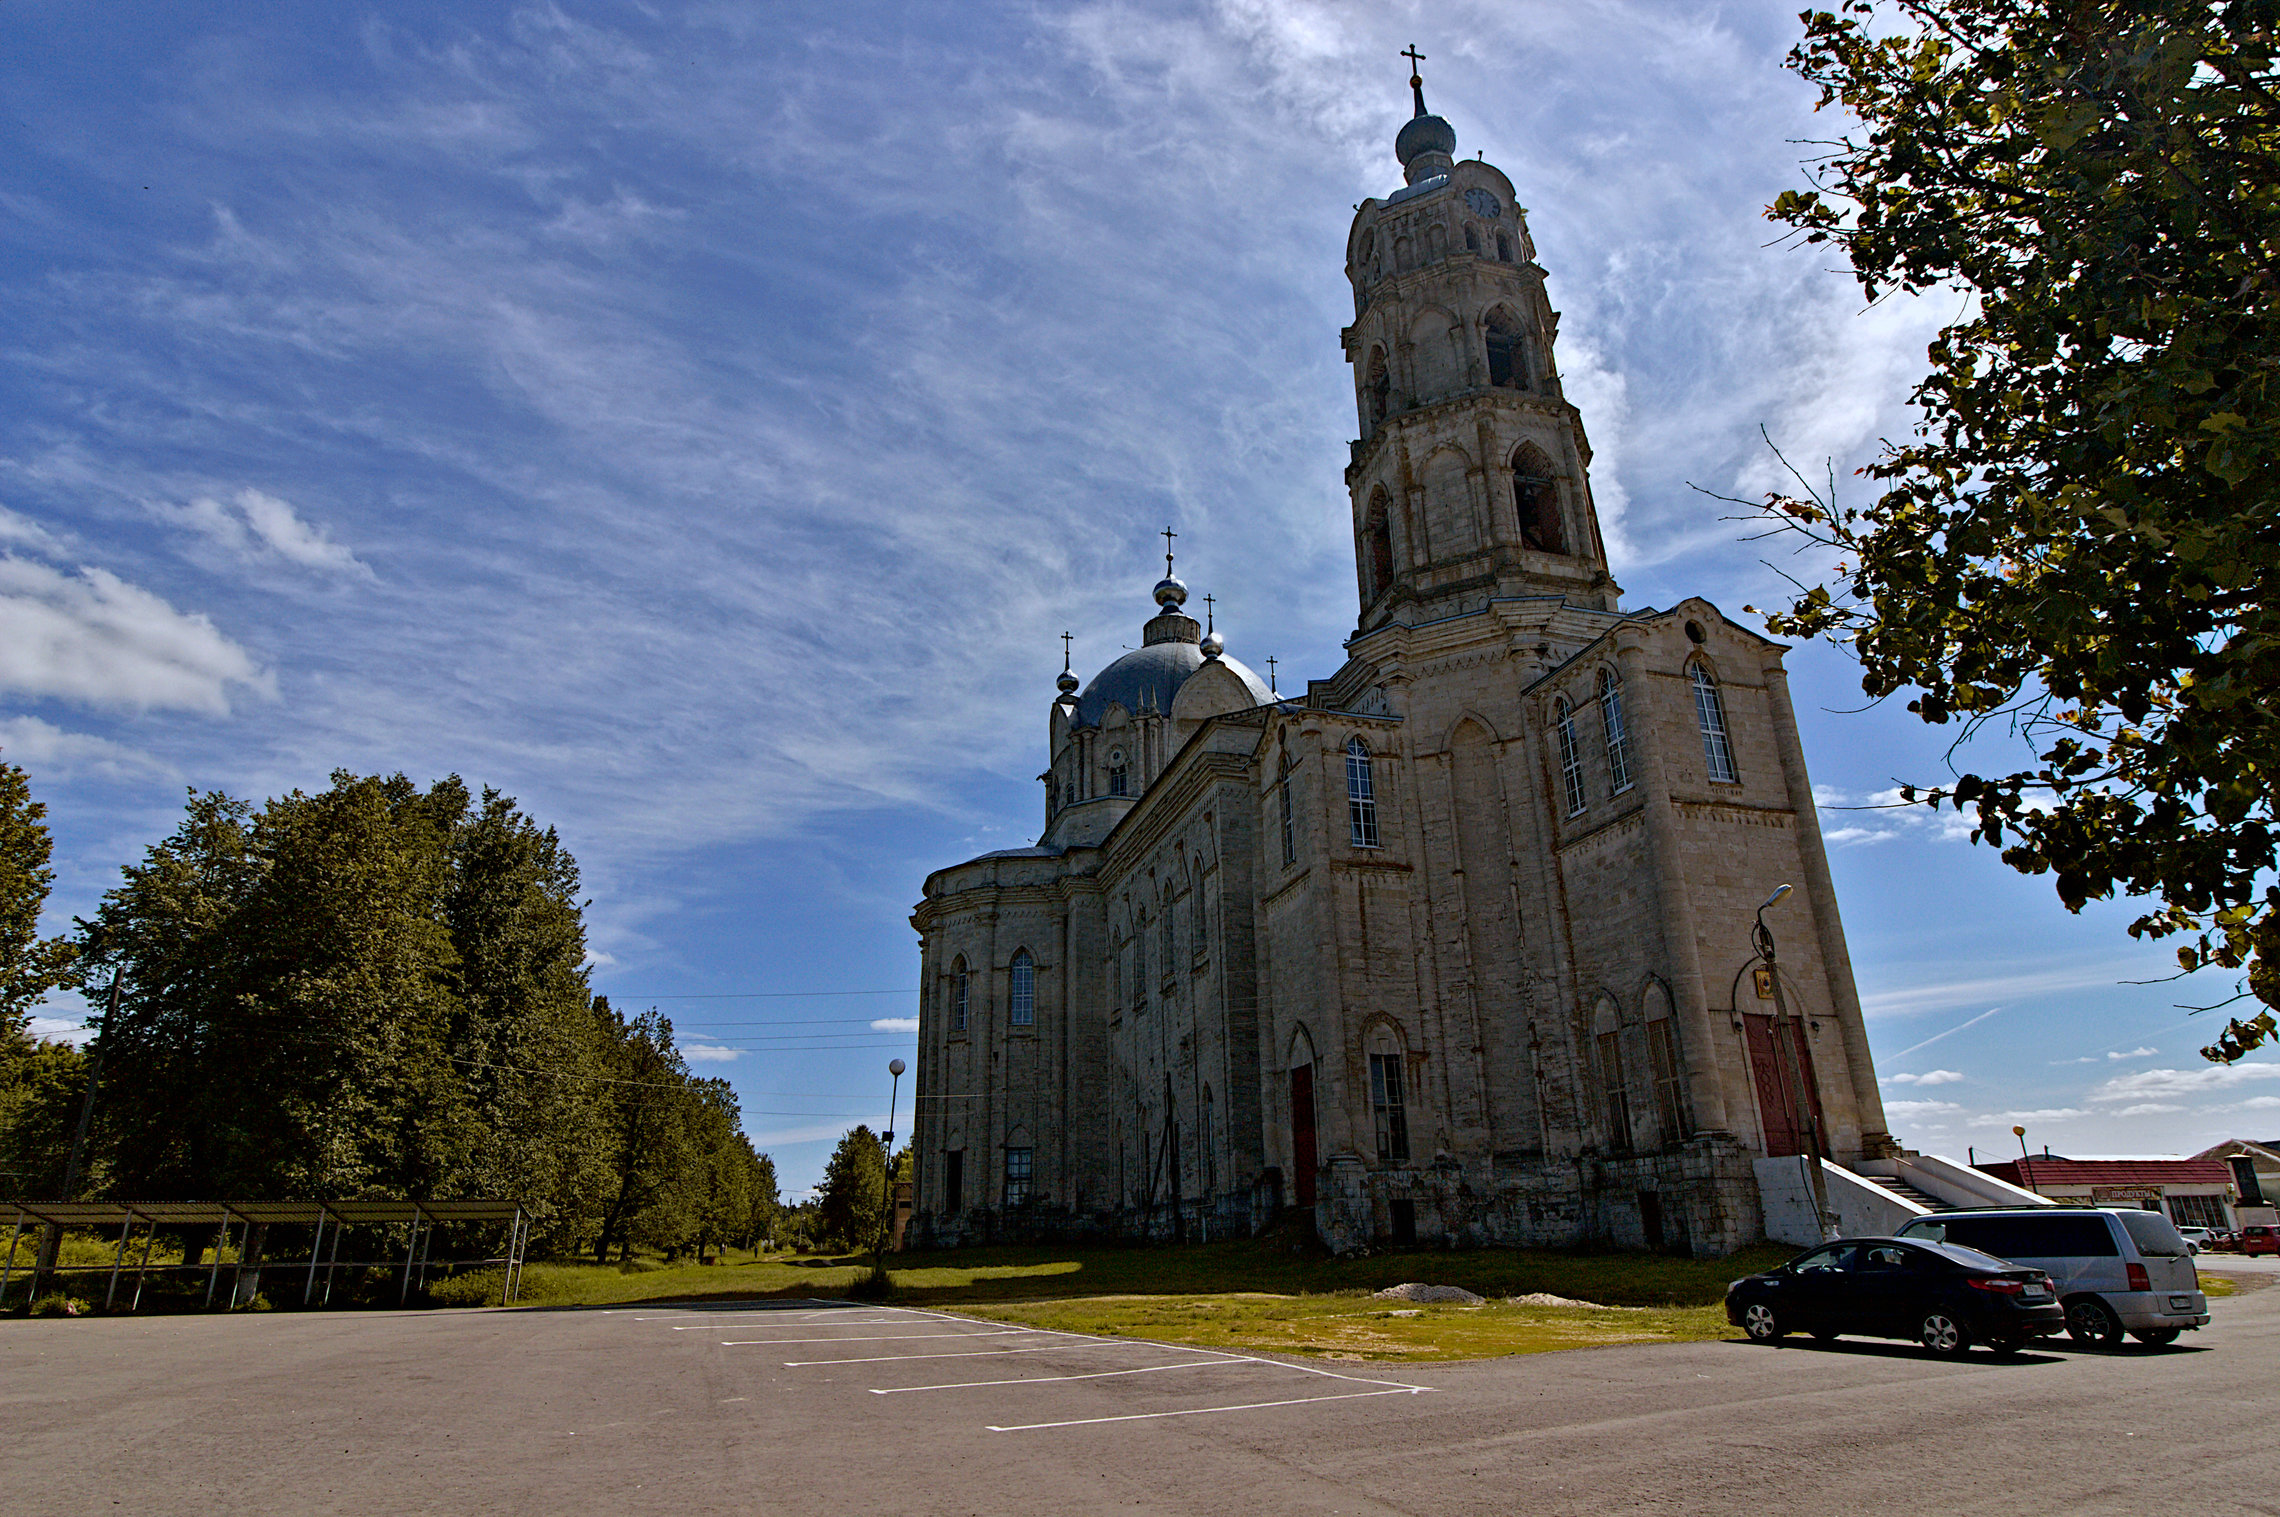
(2197, 1238)
(1943, 1295)
(2259, 1239)
(2116, 1270)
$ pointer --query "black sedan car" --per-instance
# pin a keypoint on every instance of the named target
(1943, 1295)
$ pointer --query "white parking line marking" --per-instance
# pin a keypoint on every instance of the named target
(1010, 1332)
(1201, 1411)
(980, 1353)
(967, 1385)
(714, 1327)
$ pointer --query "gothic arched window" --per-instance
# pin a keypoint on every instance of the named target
(1021, 996)
(1536, 498)
(1614, 1084)
(1507, 351)
(1472, 238)
(1361, 795)
(958, 1005)
(1710, 715)
(1377, 387)
(1388, 1107)
(1377, 531)
(1503, 247)
(1571, 760)
(1617, 730)
(1289, 839)
(1116, 771)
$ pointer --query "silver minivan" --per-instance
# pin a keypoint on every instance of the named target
(2115, 1270)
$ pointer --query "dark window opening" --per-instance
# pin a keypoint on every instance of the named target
(1472, 239)
(2245, 1181)
(1404, 1223)
(1380, 535)
(1537, 500)
(1507, 352)
(1503, 247)
(1289, 837)
(1021, 998)
(1017, 1176)
(1651, 1218)
(1618, 1096)
(1387, 1109)
(1670, 1082)
(953, 1182)
(1377, 387)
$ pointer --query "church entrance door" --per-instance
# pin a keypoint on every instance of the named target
(1776, 1092)
(1302, 1133)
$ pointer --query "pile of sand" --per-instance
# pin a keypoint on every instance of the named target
(1412, 1291)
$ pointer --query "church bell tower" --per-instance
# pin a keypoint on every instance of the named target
(1470, 479)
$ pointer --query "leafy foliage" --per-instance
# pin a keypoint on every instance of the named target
(30, 965)
(2079, 539)
(851, 1204)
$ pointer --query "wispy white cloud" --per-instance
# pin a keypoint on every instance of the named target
(2148, 1109)
(90, 637)
(254, 525)
(57, 754)
(2204, 1080)
(1929, 1077)
(707, 1053)
(2134, 1053)
(1915, 1109)
(894, 1024)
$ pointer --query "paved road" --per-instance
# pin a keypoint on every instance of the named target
(842, 1409)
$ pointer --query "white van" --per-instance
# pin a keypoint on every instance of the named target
(2115, 1270)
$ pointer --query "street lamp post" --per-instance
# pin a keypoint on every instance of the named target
(1793, 1064)
(2026, 1166)
(895, 1069)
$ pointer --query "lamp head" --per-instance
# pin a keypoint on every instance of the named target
(895, 1067)
(2018, 1132)
(1775, 898)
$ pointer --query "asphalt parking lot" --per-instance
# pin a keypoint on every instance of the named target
(842, 1407)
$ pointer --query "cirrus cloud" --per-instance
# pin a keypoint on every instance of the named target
(92, 638)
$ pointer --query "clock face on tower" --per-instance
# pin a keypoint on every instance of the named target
(1483, 204)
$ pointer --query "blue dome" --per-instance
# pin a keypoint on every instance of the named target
(1425, 134)
(1148, 677)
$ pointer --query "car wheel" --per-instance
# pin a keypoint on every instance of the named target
(2159, 1337)
(2092, 1322)
(1761, 1324)
(1943, 1335)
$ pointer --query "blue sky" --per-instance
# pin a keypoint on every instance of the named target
(700, 421)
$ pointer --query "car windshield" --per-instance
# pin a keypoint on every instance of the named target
(2153, 1234)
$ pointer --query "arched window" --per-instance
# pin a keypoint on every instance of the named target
(1662, 1057)
(1378, 532)
(1618, 732)
(1710, 713)
(1069, 794)
(1199, 914)
(1377, 387)
(1571, 760)
(958, 995)
(1021, 995)
(1116, 771)
(1507, 351)
(1361, 795)
(1436, 243)
(1210, 1148)
(1289, 838)
(1472, 238)
(1404, 255)
(1363, 259)
(1537, 500)
(1389, 1111)
(1615, 1091)
(1503, 247)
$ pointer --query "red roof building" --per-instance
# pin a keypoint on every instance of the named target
(2191, 1192)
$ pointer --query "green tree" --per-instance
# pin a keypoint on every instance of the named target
(852, 1199)
(2079, 540)
(30, 965)
(644, 1198)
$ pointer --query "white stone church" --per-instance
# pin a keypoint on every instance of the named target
(1454, 946)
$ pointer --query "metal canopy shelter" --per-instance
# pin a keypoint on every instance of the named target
(419, 1218)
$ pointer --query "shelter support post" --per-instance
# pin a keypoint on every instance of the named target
(411, 1251)
(142, 1267)
(8, 1269)
(316, 1248)
(332, 1262)
(214, 1275)
(126, 1228)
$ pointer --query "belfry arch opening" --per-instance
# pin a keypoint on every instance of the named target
(1377, 544)
(1377, 388)
(1535, 494)
(1507, 351)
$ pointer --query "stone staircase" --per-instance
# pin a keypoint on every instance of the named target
(1906, 1192)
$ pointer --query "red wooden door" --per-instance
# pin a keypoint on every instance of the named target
(1769, 1068)
(1302, 1133)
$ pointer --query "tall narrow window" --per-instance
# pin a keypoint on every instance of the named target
(1017, 1176)
(1571, 760)
(1670, 1085)
(1537, 501)
(1377, 387)
(1618, 733)
(1199, 914)
(1289, 838)
(958, 996)
(1021, 996)
(1386, 1108)
(1361, 795)
(1503, 247)
(1210, 1148)
(1140, 962)
(1618, 1095)
(1472, 238)
(1377, 532)
(1069, 794)
(1116, 771)
(1507, 351)
(953, 1182)
(1710, 712)
(1170, 949)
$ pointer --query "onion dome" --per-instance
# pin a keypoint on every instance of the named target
(1427, 145)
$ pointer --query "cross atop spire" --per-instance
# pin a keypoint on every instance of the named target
(1064, 653)
(1168, 534)
(1207, 613)
(1271, 690)
(1416, 79)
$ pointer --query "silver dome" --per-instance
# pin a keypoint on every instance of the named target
(1147, 678)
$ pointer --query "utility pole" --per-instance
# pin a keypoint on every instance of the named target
(52, 1239)
(887, 1145)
